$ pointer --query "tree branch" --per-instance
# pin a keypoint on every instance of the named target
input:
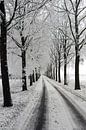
(8, 23)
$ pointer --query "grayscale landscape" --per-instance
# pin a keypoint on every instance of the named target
(42, 65)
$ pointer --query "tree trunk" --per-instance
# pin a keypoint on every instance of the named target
(31, 80)
(56, 70)
(33, 77)
(54, 73)
(59, 68)
(24, 84)
(65, 74)
(36, 76)
(77, 55)
(65, 66)
(77, 83)
(4, 65)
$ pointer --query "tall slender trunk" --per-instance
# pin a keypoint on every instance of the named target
(77, 55)
(65, 74)
(65, 65)
(36, 76)
(4, 66)
(77, 82)
(51, 70)
(59, 69)
(56, 70)
(33, 77)
(54, 73)
(24, 83)
(31, 80)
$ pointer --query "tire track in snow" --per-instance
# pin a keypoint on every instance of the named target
(38, 119)
(75, 114)
(80, 121)
(41, 121)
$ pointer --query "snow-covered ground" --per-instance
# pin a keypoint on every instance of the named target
(66, 110)
(27, 118)
(78, 97)
(9, 116)
(15, 86)
(44, 106)
(58, 118)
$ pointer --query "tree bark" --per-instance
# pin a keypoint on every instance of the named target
(33, 76)
(65, 65)
(4, 66)
(31, 80)
(24, 83)
(65, 73)
(36, 76)
(51, 70)
(59, 68)
(54, 73)
(56, 70)
(77, 82)
(77, 55)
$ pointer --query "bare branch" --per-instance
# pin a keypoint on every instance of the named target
(82, 32)
(72, 5)
(8, 23)
(16, 54)
(70, 23)
(17, 43)
(81, 10)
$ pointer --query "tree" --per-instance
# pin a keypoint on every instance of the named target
(54, 57)
(24, 26)
(33, 77)
(58, 47)
(48, 71)
(67, 45)
(23, 46)
(76, 14)
(3, 52)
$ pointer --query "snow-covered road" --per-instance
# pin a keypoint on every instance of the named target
(62, 114)
(53, 111)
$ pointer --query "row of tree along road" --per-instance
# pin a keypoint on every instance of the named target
(66, 25)
(12, 16)
(68, 37)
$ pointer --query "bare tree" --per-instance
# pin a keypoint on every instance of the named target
(3, 53)
(74, 12)
(48, 72)
(24, 35)
(57, 53)
(54, 57)
(67, 44)
(25, 42)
